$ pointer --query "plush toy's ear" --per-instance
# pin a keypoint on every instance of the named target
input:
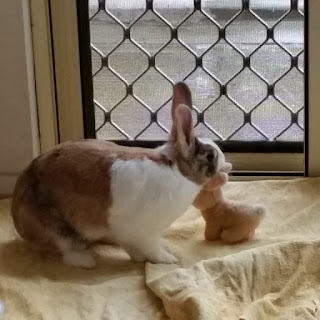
(227, 167)
(210, 193)
(216, 182)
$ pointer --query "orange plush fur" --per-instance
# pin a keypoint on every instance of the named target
(227, 220)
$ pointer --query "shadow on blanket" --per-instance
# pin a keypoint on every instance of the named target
(20, 261)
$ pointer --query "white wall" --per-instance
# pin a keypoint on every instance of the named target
(19, 142)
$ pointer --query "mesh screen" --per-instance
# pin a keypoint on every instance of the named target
(243, 60)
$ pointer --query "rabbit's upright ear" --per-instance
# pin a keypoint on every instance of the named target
(182, 127)
(181, 95)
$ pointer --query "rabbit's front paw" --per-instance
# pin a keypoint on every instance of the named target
(163, 256)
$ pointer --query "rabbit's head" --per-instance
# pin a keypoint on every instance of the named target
(197, 158)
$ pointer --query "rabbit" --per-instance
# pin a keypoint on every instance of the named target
(85, 191)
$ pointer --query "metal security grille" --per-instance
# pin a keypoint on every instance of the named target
(244, 62)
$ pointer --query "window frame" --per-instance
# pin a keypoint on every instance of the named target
(62, 102)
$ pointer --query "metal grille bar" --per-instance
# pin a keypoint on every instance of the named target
(284, 79)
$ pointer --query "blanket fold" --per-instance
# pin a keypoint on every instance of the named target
(274, 276)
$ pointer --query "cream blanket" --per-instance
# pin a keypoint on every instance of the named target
(274, 276)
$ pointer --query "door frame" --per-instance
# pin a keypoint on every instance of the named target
(312, 115)
(44, 74)
(57, 71)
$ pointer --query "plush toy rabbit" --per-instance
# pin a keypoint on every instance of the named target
(225, 219)
(91, 190)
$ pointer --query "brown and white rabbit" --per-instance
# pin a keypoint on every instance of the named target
(91, 190)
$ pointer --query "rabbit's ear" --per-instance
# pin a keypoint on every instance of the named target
(181, 95)
(182, 127)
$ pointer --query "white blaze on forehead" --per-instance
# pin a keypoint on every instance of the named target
(221, 158)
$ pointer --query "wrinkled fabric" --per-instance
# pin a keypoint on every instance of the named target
(35, 287)
(274, 276)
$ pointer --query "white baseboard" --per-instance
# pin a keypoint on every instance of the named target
(7, 182)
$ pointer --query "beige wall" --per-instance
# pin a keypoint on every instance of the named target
(18, 121)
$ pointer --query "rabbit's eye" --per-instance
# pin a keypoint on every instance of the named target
(210, 157)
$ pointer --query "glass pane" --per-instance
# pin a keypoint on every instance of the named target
(105, 33)
(255, 90)
(243, 61)
(128, 61)
(223, 61)
(270, 62)
(222, 12)
(224, 117)
(271, 117)
(131, 115)
(289, 33)
(126, 11)
(150, 32)
(175, 61)
(246, 33)
(198, 33)
(204, 89)
(270, 11)
(173, 11)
